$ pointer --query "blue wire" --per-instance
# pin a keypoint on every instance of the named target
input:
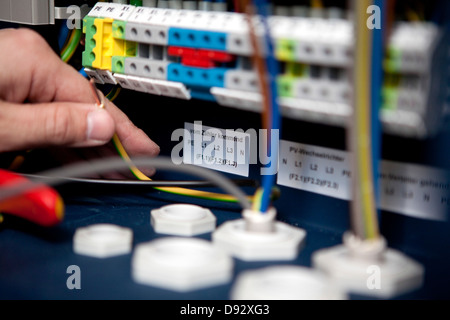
(376, 96)
(63, 34)
(83, 73)
(268, 181)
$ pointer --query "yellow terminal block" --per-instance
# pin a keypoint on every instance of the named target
(104, 40)
(108, 46)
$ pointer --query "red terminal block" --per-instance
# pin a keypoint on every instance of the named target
(195, 62)
(42, 206)
(218, 56)
(199, 57)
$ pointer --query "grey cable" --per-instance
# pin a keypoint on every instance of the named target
(145, 183)
(54, 176)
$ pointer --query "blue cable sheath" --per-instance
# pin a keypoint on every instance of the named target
(376, 96)
(83, 73)
(268, 181)
(63, 34)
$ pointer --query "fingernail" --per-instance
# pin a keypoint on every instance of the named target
(100, 126)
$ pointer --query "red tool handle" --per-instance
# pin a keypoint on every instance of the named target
(43, 205)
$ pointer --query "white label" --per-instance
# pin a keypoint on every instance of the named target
(217, 149)
(408, 189)
(141, 15)
(111, 10)
(414, 190)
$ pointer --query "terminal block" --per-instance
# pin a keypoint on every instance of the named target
(202, 55)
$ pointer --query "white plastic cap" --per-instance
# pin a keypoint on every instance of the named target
(283, 243)
(182, 220)
(260, 222)
(369, 268)
(181, 264)
(365, 249)
(284, 283)
(103, 240)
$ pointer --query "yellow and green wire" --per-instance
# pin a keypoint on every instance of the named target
(364, 207)
(173, 190)
(71, 46)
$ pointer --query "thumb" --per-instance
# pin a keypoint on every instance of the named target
(53, 124)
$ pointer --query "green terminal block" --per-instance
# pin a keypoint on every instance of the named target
(285, 50)
(137, 3)
(295, 69)
(118, 32)
(393, 62)
(118, 29)
(130, 49)
(286, 86)
(390, 98)
(89, 29)
(118, 64)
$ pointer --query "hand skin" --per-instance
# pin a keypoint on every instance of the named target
(46, 103)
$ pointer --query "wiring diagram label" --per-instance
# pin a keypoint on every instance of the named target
(225, 150)
(409, 189)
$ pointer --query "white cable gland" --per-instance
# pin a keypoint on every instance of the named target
(369, 268)
(258, 222)
(103, 240)
(285, 283)
(258, 237)
(182, 220)
(181, 264)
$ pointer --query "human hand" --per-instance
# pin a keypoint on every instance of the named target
(46, 103)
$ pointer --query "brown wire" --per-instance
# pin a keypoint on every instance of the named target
(260, 65)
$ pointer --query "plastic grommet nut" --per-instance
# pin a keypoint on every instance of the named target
(369, 268)
(285, 283)
(258, 237)
(103, 240)
(181, 264)
(182, 220)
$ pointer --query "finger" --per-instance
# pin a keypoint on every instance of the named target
(57, 81)
(134, 140)
(53, 124)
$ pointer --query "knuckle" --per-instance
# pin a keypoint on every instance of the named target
(58, 127)
(27, 37)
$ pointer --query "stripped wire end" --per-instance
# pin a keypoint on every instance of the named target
(100, 103)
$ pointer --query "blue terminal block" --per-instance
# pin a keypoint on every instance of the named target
(196, 77)
(199, 39)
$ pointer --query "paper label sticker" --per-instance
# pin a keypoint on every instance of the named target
(111, 10)
(412, 190)
(223, 150)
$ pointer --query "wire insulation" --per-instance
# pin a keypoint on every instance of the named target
(179, 191)
(268, 73)
(143, 177)
(54, 177)
(363, 208)
(139, 183)
(68, 51)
